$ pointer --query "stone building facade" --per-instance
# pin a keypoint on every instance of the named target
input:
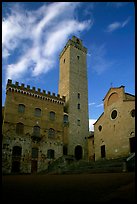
(114, 131)
(40, 127)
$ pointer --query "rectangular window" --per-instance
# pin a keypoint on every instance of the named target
(36, 131)
(50, 154)
(34, 153)
(78, 106)
(78, 95)
(78, 122)
(20, 128)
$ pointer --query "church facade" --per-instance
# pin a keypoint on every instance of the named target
(114, 131)
(38, 126)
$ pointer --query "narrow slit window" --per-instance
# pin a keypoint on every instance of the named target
(78, 95)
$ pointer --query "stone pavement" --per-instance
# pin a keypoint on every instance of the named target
(74, 188)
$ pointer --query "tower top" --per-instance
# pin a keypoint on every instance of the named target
(75, 42)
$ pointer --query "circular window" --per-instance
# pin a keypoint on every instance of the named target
(100, 127)
(132, 113)
(114, 114)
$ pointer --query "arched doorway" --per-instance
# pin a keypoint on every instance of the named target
(78, 152)
(16, 157)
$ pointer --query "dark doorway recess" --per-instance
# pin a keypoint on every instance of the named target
(78, 152)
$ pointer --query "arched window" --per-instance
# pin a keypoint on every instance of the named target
(52, 115)
(21, 108)
(37, 112)
(20, 128)
(36, 131)
(51, 133)
(50, 154)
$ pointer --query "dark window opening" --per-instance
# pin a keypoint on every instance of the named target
(36, 131)
(20, 128)
(64, 60)
(78, 106)
(100, 127)
(34, 153)
(78, 57)
(50, 154)
(114, 114)
(37, 112)
(52, 115)
(78, 122)
(21, 108)
(65, 119)
(78, 95)
(51, 133)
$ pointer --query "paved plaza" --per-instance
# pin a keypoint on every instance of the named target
(74, 188)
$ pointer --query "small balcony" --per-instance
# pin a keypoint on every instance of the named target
(36, 137)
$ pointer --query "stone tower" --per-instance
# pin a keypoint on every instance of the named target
(73, 85)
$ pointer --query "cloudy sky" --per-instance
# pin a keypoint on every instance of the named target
(34, 34)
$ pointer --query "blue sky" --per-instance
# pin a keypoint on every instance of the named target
(34, 34)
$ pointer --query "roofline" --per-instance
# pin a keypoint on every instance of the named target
(98, 118)
(130, 94)
(113, 88)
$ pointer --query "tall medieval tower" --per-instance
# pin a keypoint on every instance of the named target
(73, 85)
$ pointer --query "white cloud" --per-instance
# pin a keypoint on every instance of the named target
(92, 103)
(117, 25)
(37, 36)
(99, 105)
(91, 122)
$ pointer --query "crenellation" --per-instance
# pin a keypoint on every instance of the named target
(9, 81)
(28, 87)
(16, 83)
(33, 88)
(22, 85)
(42, 95)
(39, 90)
